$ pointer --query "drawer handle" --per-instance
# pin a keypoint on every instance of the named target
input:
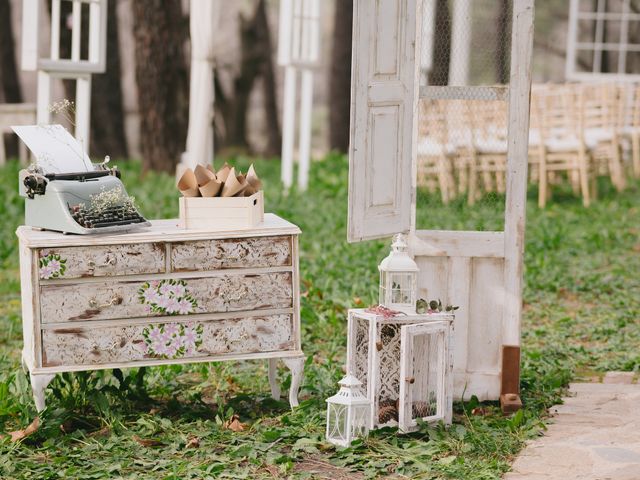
(115, 300)
(110, 261)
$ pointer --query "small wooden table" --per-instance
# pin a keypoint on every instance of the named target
(158, 296)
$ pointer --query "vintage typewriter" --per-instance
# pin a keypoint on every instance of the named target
(66, 192)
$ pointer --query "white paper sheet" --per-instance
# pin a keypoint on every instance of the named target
(55, 149)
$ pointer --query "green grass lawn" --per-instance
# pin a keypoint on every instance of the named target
(582, 300)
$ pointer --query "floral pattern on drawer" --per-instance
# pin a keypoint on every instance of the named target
(174, 340)
(231, 253)
(167, 297)
(51, 265)
(132, 299)
(171, 340)
(101, 261)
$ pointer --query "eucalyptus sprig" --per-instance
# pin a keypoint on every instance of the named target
(433, 306)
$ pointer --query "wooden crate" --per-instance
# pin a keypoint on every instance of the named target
(222, 213)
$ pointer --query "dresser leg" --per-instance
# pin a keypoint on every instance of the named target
(38, 385)
(296, 365)
(273, 378)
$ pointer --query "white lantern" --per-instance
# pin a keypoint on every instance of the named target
(398, 278)
(348, 413)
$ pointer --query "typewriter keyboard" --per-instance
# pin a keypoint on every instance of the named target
(105, 217)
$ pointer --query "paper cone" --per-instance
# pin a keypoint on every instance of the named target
(188, 185)
(223, 173)
(234, 184)
(249, 191)
(253, 179)
(203, 175)
(211, 188)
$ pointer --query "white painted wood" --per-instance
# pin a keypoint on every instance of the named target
(384, 100)
(76, 31)
(457, 243)
(30, 30)
(39, 384)
(428, 33)
(417, 372)
(285, 27)
(15, 114)
(460, 42)
(517, 162)
(222, 213)
(228, 320)
(288, 125)
(494, 92)
(116, 300)
(83, 110)
(306, 106)
(55, 29)
(164, 230)
(44, 98)
(89, 346)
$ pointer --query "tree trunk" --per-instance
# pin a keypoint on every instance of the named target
(274, 137)
(256, 62)
(340, 77)
(439, 74)
(107, 112)
(163, 91)
(11, 91)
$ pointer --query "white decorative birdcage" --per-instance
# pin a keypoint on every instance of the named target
(398, 278)
(348, 413)
(405, 363)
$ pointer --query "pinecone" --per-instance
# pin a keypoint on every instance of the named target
(387, 411)
(422, 409)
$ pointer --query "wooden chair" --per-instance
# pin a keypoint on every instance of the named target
(599, 118)
(434, 151)
(561, 146)
(629, 122)
(15, 114)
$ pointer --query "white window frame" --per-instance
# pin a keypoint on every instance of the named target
(97, 52)
(598, 45)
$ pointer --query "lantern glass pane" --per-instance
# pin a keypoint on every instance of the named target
(360, 426)
(426, 393)
(337, 421)
(402, 288)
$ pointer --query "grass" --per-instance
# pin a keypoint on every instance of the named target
(582, 300)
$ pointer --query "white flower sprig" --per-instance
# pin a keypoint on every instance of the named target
(65, 108)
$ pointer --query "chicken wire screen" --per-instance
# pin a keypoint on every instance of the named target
(463, 115)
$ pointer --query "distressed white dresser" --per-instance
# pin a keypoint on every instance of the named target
(161, 295)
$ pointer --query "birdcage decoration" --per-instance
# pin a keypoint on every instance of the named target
(348, 413)
(398, 278)
(405, 364)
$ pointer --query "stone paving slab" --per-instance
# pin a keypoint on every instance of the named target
(595, 435)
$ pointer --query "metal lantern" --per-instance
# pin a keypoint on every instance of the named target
(348, 413)
(398, 278)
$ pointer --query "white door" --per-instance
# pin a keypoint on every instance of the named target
(481, 272)
(424, 380)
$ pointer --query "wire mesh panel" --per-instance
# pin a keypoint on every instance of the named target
(462, 146)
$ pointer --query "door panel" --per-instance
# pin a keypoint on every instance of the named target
(476, 285)
(385, 78)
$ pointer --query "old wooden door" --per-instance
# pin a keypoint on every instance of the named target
(479, 271)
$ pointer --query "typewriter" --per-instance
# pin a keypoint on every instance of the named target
(67, 193)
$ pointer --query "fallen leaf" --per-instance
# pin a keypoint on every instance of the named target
(234, 424)
(480, 411)
(147, 442)
(20, 434)
(194, 442)
(103, 432)
(357, 300)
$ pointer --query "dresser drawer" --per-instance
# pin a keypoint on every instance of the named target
(166, 340)
(101, 261)
(131, 299)
(231, 253)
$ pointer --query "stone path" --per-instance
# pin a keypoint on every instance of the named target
(595, 435)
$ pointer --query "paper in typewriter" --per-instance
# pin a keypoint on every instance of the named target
(55, 149)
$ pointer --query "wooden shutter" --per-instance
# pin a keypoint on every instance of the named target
(384, 101)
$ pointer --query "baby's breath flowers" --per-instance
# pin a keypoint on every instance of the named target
(115, 197)
(65, 108)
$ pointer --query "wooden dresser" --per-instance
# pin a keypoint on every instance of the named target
(161, 295)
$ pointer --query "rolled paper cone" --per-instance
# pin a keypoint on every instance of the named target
(203, 175)
(223, 173)
(210, 168)
(234, 184)
(211, 188)
(249, 191)
(253, 179)
(188, 185)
